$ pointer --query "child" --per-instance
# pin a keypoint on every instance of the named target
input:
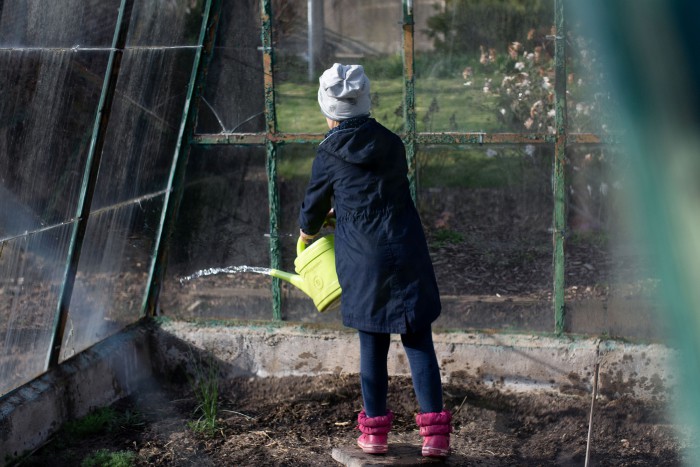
(382, 257)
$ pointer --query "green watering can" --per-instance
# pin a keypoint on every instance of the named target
(315, 272)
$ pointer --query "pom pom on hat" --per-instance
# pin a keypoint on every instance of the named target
(343, 92)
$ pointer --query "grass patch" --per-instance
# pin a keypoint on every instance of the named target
(442, 237)
(102, 420)
(105, 458)
(470, 167)
(99, 421)
(441, 105)
(64, 446)
(205, 383)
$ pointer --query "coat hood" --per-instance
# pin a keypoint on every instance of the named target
(367, 144)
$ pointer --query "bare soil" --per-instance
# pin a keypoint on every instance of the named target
(297, 421)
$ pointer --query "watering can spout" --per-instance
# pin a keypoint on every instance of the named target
(294, 279)
(316, 276)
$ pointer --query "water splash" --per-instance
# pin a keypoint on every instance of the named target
(226, 270)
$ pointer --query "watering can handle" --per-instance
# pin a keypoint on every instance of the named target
(301, 246)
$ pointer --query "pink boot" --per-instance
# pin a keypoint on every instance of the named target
(435, 428)
(374, 432)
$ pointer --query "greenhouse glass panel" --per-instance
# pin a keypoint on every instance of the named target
(31, 273)
(144, 124)
(46, 118)
(223, 222)
(487, 213)
(112, 274)
(362, 32)
(486, 66)
(175, 23)
(65, 24)
(233, 95)
(610, 287)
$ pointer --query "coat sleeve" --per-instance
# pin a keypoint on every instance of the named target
(317, 201)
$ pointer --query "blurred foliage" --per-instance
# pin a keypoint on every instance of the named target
(464, 26)
(526, 91)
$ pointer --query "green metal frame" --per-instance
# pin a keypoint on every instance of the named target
(271, 139)
(409, 96)
(558, 177)
(271, 150)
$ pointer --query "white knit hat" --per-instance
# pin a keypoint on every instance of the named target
(343, 92)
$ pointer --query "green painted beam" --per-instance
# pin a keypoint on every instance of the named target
(409, 96)
(558, 177)
(259, 139)
(271, 151)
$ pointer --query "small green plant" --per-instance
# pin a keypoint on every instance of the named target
(102, 420)
(105, 458)
(443, 237)
(598, 239)
(205, 383)
(99, 421)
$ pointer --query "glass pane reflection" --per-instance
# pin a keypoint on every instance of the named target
(233, 94)
(144, 125)
(112, 275)
(46, 117)
(171, 23)
(68, 23)
(31, 274)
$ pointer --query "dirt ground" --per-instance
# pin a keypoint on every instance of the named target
(297, 421)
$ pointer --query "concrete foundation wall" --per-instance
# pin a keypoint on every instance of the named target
(95, 378)
(517, 362)
(122, 364)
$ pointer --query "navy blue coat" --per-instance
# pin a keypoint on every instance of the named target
(381, 254)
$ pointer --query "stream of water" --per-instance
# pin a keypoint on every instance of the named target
(226, 270)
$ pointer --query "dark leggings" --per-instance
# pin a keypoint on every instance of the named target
(374, 349)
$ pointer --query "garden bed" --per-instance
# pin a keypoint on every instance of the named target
(296, 421)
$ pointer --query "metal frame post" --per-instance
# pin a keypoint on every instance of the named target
(87, 188)
(188, 123)
(271, 150)
(409, 96)
(558, 175)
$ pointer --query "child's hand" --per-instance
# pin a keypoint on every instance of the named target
(306, 238)
(330, 219)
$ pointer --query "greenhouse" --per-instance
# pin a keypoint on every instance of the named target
(154, 158)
